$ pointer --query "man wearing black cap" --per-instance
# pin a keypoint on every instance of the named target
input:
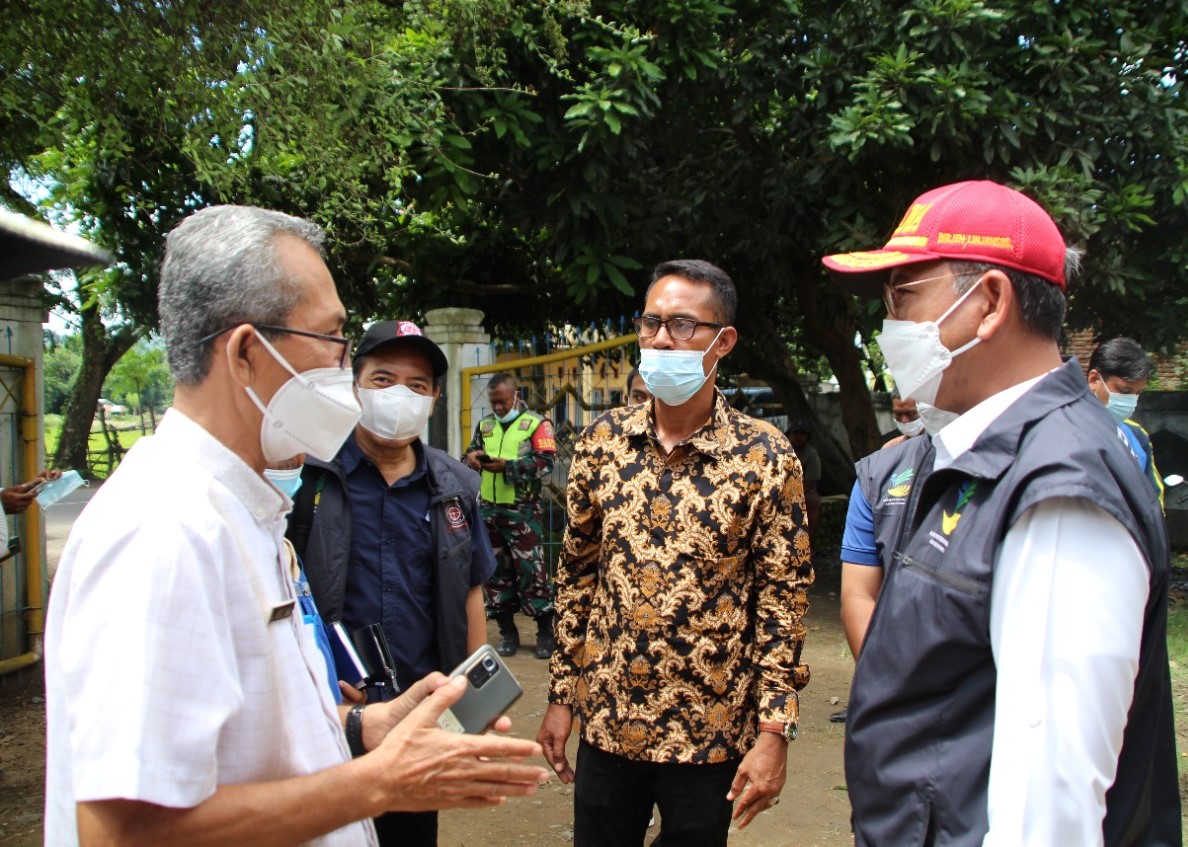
(390, 530)
(1013, 683)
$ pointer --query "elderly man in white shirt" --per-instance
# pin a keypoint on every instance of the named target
(1012, 688)
(187, 700)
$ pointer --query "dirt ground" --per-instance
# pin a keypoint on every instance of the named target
(814, 811)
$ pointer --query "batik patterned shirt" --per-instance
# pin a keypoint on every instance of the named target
(680, 590)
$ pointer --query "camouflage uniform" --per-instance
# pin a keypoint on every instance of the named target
(521, 581)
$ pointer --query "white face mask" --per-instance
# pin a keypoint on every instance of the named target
(934, 419)
(910, 428)
(915, 355)
(674, 376)
(312, 412)
(396, 412)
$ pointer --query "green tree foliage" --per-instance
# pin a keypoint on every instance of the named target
(765, 134)
(61, 363)
(533, 159)
(140, 379)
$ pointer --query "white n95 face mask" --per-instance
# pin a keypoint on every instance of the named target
(312, 412)
(674, 376)
(396, 412)
(934, 419)
(915, 355)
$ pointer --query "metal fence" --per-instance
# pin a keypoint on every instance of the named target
(571, 387)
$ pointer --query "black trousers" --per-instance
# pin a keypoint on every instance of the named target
(407, 829)
(613, 800)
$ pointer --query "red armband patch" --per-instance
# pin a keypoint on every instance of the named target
(543, 439)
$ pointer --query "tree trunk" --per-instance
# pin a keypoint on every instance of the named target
(830, 327)
(764, 355)
(101, 350)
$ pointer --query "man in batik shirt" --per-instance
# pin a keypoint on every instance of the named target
(680, 591)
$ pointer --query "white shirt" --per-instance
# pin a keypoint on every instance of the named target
(1065, 633)
(164, 676)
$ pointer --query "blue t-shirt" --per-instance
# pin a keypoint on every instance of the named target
(858, 540)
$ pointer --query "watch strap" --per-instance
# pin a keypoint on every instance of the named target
(787, 731)
(354, 731)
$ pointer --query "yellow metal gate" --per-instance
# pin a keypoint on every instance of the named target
(570, 387)
(21, 576)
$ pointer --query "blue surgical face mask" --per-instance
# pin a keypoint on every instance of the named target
(512, 414)
(1121, 406)
(674, 376)
(287, 481)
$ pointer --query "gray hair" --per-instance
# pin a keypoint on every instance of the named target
(1042, 303)
(221, 270)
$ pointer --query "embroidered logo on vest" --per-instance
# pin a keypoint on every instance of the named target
(901, 483)
(455, 517)
(949, 520)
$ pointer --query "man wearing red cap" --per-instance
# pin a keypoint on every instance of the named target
(983, 709)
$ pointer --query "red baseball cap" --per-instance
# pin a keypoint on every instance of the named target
(402, 332)
(976, 221)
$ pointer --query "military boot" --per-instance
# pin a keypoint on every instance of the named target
(545, 642)
(509, 641)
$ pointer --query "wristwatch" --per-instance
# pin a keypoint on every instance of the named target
(786, 731)
(354, 731)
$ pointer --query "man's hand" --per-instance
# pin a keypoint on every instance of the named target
(760, 778)
(381, 718)
(16, 498)
(494, 465)
(554, 732)
(471, 460)
(350, 694)
(419, 766)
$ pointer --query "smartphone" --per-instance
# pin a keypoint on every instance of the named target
(490, 690)
(483, 457)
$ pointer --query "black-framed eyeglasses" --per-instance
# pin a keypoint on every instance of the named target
(679, 329)
(343, 361)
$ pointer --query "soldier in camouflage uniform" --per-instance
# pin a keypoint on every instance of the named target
(514, 448)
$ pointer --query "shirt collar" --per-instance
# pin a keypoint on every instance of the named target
(713, 438)
(352, 454)
(262, 500)
(954, 440)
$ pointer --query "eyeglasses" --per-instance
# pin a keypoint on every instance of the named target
(343, 360)
(679, 329)
(890, 291)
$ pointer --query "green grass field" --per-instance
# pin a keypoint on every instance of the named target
(128, 430)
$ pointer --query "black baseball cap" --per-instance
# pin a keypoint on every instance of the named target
(406, 333)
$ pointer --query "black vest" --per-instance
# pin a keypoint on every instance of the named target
(921, 712)
(324, 543)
